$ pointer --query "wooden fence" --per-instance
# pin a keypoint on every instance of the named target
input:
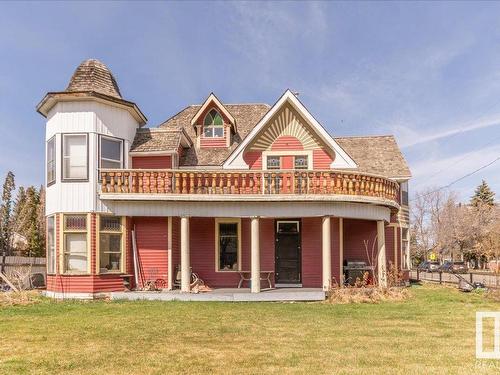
(490, 280)
(25, 264)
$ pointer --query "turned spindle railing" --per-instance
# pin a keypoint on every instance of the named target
(250, 182)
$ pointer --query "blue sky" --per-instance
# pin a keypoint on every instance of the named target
(429, 73)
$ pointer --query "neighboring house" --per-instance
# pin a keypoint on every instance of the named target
(217, 188)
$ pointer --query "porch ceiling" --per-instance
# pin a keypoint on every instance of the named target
(234, 208)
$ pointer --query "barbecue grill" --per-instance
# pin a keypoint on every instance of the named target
(354, 270)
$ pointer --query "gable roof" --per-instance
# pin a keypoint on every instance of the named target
(212, 99)
(376, 154)
(342, 159)
(246, 115)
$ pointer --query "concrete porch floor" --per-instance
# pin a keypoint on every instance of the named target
(227, 295)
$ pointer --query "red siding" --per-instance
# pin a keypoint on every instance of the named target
(286, 143)
(335, 238)
(267, 244)
(321, 159)
(311, 252)
(214, 142)
(355, 233)
(152, 162)
(152, 246)
(253, 159)
(202, 247)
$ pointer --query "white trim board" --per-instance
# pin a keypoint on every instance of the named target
(342, 159)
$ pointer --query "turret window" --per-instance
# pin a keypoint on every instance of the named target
(111, 153)
(213, 125)
(51, 161)
(75, 157)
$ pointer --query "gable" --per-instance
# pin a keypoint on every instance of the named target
(286, 127)
(289, 117)
(212, 102)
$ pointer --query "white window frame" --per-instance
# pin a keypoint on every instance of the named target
(212, 126)
(217, 242)
(122, 245)
(113, 139)
(63, 252)
(308, 153)
(51, 260)
(65, 157)
(296, 222)
(53, 166)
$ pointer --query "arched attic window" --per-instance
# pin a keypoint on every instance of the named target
(213, 125)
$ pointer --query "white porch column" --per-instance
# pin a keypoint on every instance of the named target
(341, 251)
(381, 259)
(255, 254)
(326, 242)
(185, 261)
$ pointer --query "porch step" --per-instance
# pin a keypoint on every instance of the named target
(227, 295)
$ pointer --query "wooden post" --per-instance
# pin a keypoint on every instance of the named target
(326, 244)
(185, 259)
(381, 258)
(255, 255)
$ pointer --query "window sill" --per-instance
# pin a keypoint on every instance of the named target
(227, 271)
(75, 273)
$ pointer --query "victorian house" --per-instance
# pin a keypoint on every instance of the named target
(243, 195)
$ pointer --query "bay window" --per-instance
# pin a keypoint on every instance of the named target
(75, 157)
(110, 244)
(228, 244)
(51, 245)
(51, 160)
(75, 249)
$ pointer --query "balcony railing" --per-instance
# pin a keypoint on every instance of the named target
(286, 182)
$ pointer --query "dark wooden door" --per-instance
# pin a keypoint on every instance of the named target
(288, 264)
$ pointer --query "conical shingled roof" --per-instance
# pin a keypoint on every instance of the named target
(93, 75)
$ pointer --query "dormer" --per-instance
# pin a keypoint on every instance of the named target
(214, 125)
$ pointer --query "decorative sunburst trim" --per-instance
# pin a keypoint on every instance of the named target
(341, 160)
(286, 123)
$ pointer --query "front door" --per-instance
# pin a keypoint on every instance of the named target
(288, 265)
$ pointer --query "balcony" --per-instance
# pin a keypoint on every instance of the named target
(250, 185)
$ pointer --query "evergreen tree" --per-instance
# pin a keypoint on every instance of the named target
(5, 217)
(18, 208)
(483, 195)
(29, 224)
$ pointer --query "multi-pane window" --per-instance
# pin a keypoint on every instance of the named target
(110, 244)
(300, 162)
(51, 160)
(75, 157)
(228, 246)
(51, 245)
(213, 125)
(75, 248)
(111, 153)
(273, 162)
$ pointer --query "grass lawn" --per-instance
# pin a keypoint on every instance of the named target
(433, 333)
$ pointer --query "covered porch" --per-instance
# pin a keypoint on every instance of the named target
(259, 254)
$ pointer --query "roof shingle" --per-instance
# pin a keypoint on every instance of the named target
(150, 140)
(93, 75)
(373, 154)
